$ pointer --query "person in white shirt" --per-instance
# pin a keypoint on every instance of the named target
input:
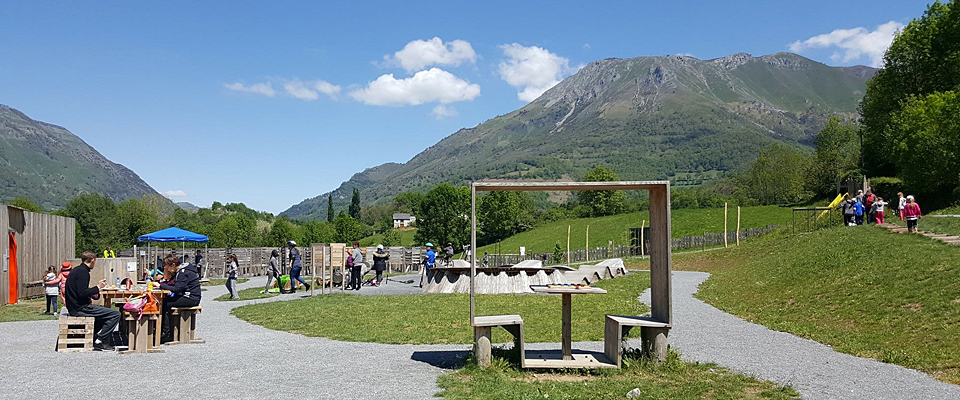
(901, 205)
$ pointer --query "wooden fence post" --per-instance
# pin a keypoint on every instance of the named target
(588, 242)
(568, 245)
(642, 223)
(724, 225)
(738, 225)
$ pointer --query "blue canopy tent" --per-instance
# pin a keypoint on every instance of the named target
(174, 234)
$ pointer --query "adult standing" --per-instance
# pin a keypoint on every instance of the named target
(78, 295)
(108, 253)
(231, 274)
(901, 203)
(847, 206)
(429, 260)
(380, 258)
(184, 291)
(198, 259)
(911, 212)
(355, 277)
(273, 271)
(295, 267)
(868, 200)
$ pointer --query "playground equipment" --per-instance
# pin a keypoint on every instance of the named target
(654, 329)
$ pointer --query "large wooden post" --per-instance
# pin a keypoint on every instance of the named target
(473, 247)
(738, 225)
(660, 270)
(588, 243)
(568, 245)
(724, 225)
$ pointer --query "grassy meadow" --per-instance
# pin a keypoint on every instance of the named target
(685, 222)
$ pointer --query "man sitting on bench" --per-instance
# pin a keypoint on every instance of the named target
(185, 292)
(78, 295)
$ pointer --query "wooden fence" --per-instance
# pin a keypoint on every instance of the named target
(42, 240)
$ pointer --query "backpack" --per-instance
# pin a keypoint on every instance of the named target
(143, 303)
(350, 260)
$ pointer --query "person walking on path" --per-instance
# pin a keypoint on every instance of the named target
(355, 278)
(868, 200)
(902, 202)
(380, 258)
(858, 212)
(911, 212)
(231, 274)
(295, 267)
(429, 260)
(847, 206)
(878, 210)
(78, 296)
(273, 271)
(184, 291)
(51, 288)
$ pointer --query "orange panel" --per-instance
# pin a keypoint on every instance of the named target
(13, 281)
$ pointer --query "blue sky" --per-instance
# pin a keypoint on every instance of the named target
(269, 103)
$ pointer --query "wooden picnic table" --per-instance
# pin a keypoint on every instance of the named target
(566, 293)
(108, 295)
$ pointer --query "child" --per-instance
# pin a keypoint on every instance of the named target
(51, 287)
(64, 273)
(878, 209)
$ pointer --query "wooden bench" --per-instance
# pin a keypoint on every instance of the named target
(141, 332)
(75, 334)
(653, 336)
(184, 325)
(483, 329)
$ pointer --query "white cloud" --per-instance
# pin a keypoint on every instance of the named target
(259, 88)
(854, 44)
(175, 193)
(420, 54)
(441, 111)
(432, 85)
(310, 90)
(532, 69)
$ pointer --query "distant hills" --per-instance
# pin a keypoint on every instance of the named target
(669, 117)
(50, 165)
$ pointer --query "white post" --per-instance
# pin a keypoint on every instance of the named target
(738, 225)
(724, 225)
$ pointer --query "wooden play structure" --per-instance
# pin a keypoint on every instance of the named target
(654, 329)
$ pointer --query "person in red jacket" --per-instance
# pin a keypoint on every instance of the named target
(911, 212)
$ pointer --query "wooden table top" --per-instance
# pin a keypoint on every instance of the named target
(570, 290)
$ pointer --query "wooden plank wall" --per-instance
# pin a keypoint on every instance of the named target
(43, 240)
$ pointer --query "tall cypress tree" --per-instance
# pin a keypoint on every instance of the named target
(355, 204)
(329, 208)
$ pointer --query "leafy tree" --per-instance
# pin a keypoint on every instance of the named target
(504, 214)
(925, 138)
(444, 216)
(557, 253)
(329, 208)
(348, 229)
(408, 202)
(26, 204)
(924, 58)
(776, 177)
(134, 218)
(602, 202)
(95, 219)
(319, 232)
(355, 204)
(391, 238)
(837, 154)
(280, 232)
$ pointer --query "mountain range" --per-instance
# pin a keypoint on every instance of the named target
(663, 117)
(50, 165)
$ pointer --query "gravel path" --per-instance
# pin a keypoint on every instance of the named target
(706, 334)
(245, 361)
(239, 361)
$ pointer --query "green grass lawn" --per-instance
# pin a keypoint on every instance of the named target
(444, 318)
(863, 290)
(685, 222)
(406, 238)
(673, 379)
(222, 282)
(25, 310)
(246, 294)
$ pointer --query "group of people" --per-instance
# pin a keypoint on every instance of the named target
(354, 261)
(72, 286)
(868, 207)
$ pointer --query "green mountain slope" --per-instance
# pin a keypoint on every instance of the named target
(50, 165)
(670, 117)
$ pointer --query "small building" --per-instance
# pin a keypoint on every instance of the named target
(31, 243)
(403, 220)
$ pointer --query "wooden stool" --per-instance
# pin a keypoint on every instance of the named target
(482, 331)
(141, 332)
(76, 334)
(653, 336)
(184, 325)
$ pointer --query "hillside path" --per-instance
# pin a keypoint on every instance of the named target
(949, 239)
(703, 333)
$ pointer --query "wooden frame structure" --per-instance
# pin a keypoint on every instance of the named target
(659, 251)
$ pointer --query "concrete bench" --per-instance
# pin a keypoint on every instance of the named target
(653, 336)
(185, 325)
(483, 329)
(75, 334)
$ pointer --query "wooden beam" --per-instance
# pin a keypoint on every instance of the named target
(566, 186)
(660, 255)
(473, 252)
